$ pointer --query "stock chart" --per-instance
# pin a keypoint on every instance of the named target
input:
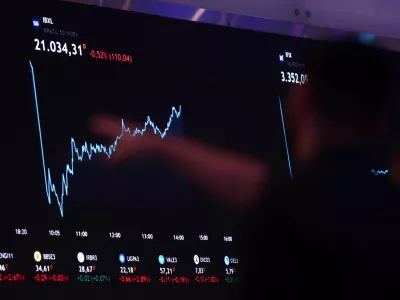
(141, 225)
(137, 227)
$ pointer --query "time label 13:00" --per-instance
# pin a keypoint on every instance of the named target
(57, 47)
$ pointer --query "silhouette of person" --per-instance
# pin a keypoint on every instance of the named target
(332, 232)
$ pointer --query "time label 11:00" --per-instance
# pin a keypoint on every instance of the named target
(58, 47)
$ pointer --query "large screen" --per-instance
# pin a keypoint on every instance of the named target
(75, 225)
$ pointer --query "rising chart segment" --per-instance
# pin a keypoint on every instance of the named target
(87, 150)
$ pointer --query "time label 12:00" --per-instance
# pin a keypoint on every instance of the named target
(58, 47)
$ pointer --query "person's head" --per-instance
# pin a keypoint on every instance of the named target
(345, 101)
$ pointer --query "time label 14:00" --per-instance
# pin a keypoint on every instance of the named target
(58, 47)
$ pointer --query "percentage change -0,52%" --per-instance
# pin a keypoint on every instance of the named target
(98, 54)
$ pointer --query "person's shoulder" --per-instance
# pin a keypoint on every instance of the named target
(320, 192)
(288, 189)
(283, 196)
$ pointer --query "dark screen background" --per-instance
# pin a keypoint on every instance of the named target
(227, 82)
(386, 149)
(221, 77)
